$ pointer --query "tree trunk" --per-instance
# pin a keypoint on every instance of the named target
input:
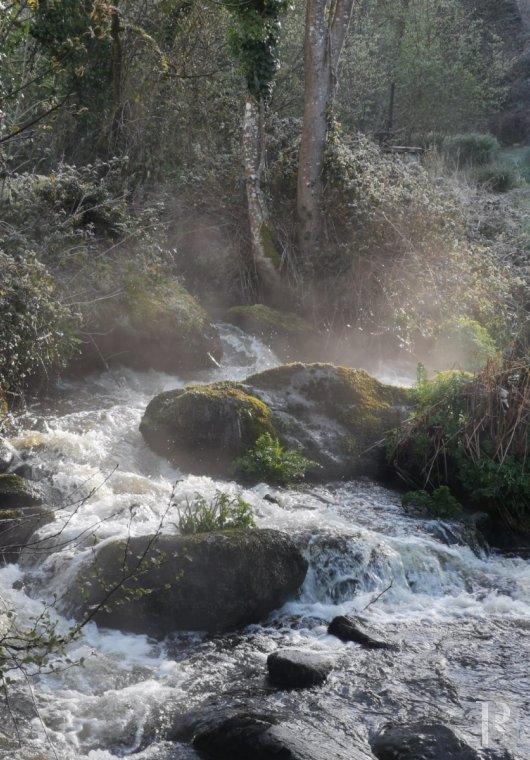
(265, 257)
(327, 23)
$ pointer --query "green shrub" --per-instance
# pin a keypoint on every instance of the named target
(466, 343)
(472, 149)
(440, 503)
(471, 434)
(498, 178)
(267, 460)
(202, 516)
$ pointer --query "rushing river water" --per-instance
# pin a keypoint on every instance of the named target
(459, 613)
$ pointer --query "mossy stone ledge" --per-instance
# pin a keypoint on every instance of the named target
(291, 336)
(205, 427)
(148, 325)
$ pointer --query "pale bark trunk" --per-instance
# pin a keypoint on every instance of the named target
(327, 24)
(264, 254)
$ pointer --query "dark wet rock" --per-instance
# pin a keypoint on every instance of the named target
(18, 492)
(209, 581)
(21, 514)
(336, 416)
(298, 669)
(205, 427)
(149, 325)
(417, 741)
(346, 629)
(244, 735)
(287, 333)
(7, 455)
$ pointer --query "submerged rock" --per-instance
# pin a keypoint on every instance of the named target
(204, 427)
(240, 735)
(21, 514)
(421, 740)
(208, 581)
(286, 333)
(347, 630)
(298, 669)
(336, 416)
(18, 492)
(149, 326)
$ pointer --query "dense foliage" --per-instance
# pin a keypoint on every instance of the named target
(470, 436)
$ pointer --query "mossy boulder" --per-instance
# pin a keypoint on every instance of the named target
(286, 333)
(205, 427)
(149, 325)
(21, 514)
(209, 582)
(336, 416)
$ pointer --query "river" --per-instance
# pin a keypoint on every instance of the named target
(459, 613)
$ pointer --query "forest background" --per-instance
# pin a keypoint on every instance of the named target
(149, 142)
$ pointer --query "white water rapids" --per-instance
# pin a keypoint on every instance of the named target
(460, 615)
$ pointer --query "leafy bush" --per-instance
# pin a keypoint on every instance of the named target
(471, 434)
(465, 343)
(440, 503)
(37, 336)
(397, 259)
(222, 512)
(498, 178)
(473, 149)
(267, 460)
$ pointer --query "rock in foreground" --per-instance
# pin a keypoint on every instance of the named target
(421, 740)
(209, 582)
(243, 735)
(298, 669)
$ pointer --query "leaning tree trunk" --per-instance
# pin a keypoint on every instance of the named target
(327, 24)
(265, 258)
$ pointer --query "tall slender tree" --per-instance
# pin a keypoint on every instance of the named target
(327, 23)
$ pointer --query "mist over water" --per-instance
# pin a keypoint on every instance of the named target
(459, 613)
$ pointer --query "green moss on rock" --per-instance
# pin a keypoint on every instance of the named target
(15, 492)
(151, 324)
(210, 581)
(204, 427)
(364, 408)
(288, 333)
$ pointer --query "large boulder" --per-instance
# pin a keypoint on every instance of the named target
(209, 581)
(240, 734)
(291, 336)
(336, 416)
(149, 325)
(204, 427)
